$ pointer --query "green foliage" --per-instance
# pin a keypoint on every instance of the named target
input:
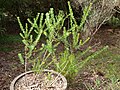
(67, 61)
(74, 30)
(28, 40)
(52, 28)
(67, 65)
(21, 58)
(86, 12)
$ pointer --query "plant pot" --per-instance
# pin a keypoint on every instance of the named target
(46, 80)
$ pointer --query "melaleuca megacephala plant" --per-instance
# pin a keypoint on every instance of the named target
(65, 61)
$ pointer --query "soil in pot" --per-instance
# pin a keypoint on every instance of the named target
(42, 81)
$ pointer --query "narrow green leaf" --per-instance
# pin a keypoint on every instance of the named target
(20, 24)
(21, 58)
(22, 35)
(25, 42)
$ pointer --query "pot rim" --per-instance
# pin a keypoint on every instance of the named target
(28, 72)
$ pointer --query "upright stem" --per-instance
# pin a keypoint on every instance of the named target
(26, 49)
(26, 61)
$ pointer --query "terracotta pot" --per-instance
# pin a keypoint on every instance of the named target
(62, 78)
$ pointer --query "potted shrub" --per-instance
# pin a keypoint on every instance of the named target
(38, 55)
(49, 44)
